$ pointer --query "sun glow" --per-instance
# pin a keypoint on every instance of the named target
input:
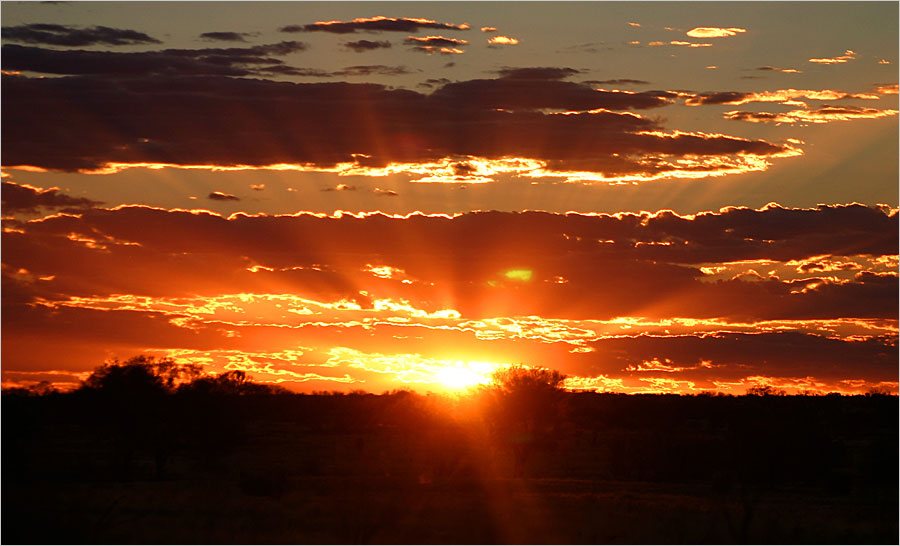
(463, 375)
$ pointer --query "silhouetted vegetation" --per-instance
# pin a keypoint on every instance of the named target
(150, 451)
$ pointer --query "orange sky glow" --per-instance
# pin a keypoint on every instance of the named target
(379, 196)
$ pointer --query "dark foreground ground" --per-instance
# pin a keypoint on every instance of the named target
(403, 468)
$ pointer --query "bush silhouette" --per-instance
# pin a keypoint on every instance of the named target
(231, 383)
(523, 407)
(528, 398)
(765, 390)
(141, 376)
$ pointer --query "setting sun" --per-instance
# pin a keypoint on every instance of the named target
(466, 374)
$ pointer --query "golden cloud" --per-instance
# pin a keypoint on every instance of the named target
(714, 32)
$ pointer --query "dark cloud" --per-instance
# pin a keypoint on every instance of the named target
(178, 120)
(733, 356)
(776, 69)
(431, 83)
(62, 35)
(600, 266)
(435, 41)
(207, 61)
(824, 114)
(367, 45)
(22, 198)
(220, 196)
(717, 97)
(373, 24)
(226, 36)
(515, 93)
(537, 73)
(368, 70)
(284, 70)
(620, 81)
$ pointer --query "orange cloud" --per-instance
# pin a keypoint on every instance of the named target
(781, 95)
(714, 32)
(503, 40)
(688, 44)
(378, 301)
(826, 114)
(848, 55)
(782, 70)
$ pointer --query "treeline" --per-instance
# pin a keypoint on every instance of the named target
(141, 415)
(153, 425)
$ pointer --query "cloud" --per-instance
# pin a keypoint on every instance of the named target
(537, 73)
(360, 46)
(284, 70)
(62, 35)
(848, 55)
(596, 294)
(488, 29)
(714, 32)
(206, 61)
(502, 123)
(368, 70)
(612, 265)
(220, 196)
(781, 95)
(374, 24)
(725, 357)
(618, 81)
(537, 88)
(257, 187)
(431, 83)
(341, 187)
(435, 42)
(25, 198)
(385, 193)
(825, 114)
(776, 69)
(226, 36)
(502, 40)
(886, 88)
(688, 44)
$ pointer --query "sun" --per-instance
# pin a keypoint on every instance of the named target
(463, 375)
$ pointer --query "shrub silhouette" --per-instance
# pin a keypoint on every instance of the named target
(523, 407)
(765, 390)
(141, 377)
(157, 407)
(231, 383)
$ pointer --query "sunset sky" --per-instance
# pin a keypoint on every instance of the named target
(647, 197)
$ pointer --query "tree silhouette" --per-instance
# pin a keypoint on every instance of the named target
(230, 383)
(523, 406)
(141, 377)
(765, 390)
